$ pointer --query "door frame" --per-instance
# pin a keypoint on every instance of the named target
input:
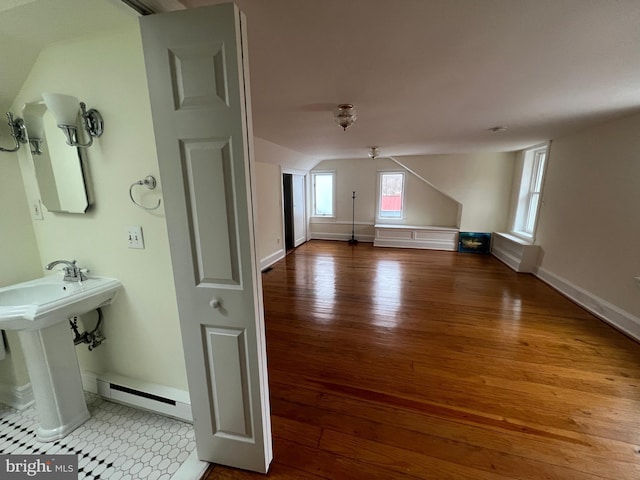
(305, 174)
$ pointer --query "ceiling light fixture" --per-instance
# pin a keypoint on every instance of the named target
(345, 115)
(374, 152)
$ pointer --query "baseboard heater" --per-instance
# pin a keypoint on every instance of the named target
(156, 398)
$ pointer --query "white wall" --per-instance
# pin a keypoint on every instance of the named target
(589, 224)
(271, 160)
(269, 221)
(19, 254)
(269, 152)
(351, 175)
(480, 182)
(107, 72)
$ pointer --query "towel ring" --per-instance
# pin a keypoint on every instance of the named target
(150, 182)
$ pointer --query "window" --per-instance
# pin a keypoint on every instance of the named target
(323, 194)
(391, 195)
(530, 192)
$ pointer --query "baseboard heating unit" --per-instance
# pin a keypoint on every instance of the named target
(156, 398)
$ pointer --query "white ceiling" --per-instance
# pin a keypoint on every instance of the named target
(426, 76)
(28, 26)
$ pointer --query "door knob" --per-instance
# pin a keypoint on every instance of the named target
(215, 303)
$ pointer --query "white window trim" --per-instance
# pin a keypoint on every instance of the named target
(314, 216)
(391, 220)
(524, 183)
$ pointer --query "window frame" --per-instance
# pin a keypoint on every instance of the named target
(385, 219)
(531, 185)
(315, 174)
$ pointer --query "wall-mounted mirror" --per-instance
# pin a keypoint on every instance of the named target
(61, 170)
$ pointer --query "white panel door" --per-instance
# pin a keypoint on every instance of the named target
(299, 217)
(197, 72)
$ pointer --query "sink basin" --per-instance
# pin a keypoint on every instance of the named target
(39, 310)
(41, 303)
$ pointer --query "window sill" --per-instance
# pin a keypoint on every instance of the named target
(395, 226)
(390, 220)
(318, 219)
(522, 236)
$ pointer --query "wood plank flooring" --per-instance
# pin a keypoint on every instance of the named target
(404, 364)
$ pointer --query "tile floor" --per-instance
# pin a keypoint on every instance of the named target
(116, 443)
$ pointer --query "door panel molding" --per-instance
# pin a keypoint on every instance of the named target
(198, 75)
(227, 357)
(209, 184)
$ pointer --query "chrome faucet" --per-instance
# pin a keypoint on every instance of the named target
(72, 273)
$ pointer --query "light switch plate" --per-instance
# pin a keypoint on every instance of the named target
(134, 237)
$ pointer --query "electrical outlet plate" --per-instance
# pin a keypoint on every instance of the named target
(36, 210)
(134, 237)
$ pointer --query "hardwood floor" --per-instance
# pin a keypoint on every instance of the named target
(403, 364)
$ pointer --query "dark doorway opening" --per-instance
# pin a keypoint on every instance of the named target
(287, 193)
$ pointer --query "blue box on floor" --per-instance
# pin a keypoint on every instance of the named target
(474, 242)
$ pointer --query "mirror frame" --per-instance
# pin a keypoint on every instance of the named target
(47, 185)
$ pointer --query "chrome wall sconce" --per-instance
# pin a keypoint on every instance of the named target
(65, 111)
(36, 146)
(345, 115)
(35, 131)
(17, 131)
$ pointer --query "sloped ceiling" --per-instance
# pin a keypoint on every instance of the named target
(426, 76)
(28, 26)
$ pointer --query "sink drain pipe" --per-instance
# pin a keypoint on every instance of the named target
(93, 338)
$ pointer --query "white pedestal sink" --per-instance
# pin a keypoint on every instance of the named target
(39, 310)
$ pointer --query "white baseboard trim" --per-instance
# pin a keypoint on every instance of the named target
(271, 259)
(16, 396)
(511, 261)
(161, 399)
(89, 382)
(191, 469)
(616, 317)
(342, 237)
